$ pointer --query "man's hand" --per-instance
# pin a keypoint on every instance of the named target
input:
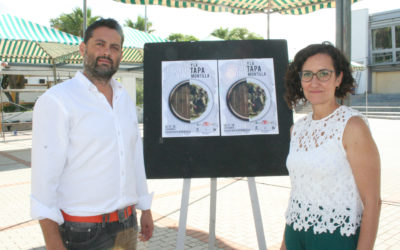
(51, 235)
(146, 224)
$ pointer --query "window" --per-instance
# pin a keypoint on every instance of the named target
(382, 57)
(386, 44)
(382, 38)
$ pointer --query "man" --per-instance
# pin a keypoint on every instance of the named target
(87, 158)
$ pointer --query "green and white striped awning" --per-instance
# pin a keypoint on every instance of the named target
(133, 46)
(129, 55)
(23, 41)
(293, 7)
(136, 39)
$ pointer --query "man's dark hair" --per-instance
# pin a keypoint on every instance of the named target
(294, 92)
(109, 23)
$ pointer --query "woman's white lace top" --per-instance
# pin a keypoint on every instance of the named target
(324, 194)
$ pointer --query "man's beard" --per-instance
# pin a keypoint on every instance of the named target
(99, 72)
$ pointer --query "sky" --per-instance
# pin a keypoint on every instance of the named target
(299, 30)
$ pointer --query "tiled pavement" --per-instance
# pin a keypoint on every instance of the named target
(234, 220)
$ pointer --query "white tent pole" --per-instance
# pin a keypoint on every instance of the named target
(145, 18)
(84, 18)
(268, 13)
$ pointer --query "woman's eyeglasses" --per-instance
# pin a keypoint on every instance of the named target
(323, 75)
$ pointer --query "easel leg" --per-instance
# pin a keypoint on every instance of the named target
(2, 114)
(183, 214)
(213, 208)
(257, 213)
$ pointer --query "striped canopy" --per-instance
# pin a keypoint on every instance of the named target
(26, 42)
(136, 39)
(294, 7)
(133, 46)
(22, 41)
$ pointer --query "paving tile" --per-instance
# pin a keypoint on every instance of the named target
(235, 227)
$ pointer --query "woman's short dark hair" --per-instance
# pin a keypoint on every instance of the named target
(294, 92)
(109, 23)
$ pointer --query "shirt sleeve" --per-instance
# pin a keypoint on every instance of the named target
(144, 198)
(49, 151)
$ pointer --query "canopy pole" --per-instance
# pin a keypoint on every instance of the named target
(145, 18)
(339, 24)
(343, 33)
(268, 13)
(347, 29)
(343, 27)
(54, 73)
(84, 25)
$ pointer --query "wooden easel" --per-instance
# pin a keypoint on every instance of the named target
(213, 205)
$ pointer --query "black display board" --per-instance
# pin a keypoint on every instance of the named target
(213, 156)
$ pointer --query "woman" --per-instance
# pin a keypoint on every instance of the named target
(333, 161)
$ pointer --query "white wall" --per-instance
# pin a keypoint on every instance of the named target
(129, 83)
(359, 46)
(36, 80)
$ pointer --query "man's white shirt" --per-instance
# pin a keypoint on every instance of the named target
(87, 157)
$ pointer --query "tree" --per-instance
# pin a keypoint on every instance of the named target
(73, 23)
(235, 34)
(139, 25)
(221, 33)
(243, 34)
(178, 37)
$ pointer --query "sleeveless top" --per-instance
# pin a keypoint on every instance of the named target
(324, 194)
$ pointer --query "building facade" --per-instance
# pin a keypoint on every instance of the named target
(376, 44)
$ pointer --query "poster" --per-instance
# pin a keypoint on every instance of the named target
(247, 97)
(190, 98)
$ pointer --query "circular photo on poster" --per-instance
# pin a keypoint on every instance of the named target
(190, 101)
(248, 99)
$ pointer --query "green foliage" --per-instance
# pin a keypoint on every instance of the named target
(221, 33)
(242, 34)
(72, 23)
(139, 24)
(139, 93)
(236, 34)
(178, 37)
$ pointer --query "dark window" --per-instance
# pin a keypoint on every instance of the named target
(382, 38)
(382, 57)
